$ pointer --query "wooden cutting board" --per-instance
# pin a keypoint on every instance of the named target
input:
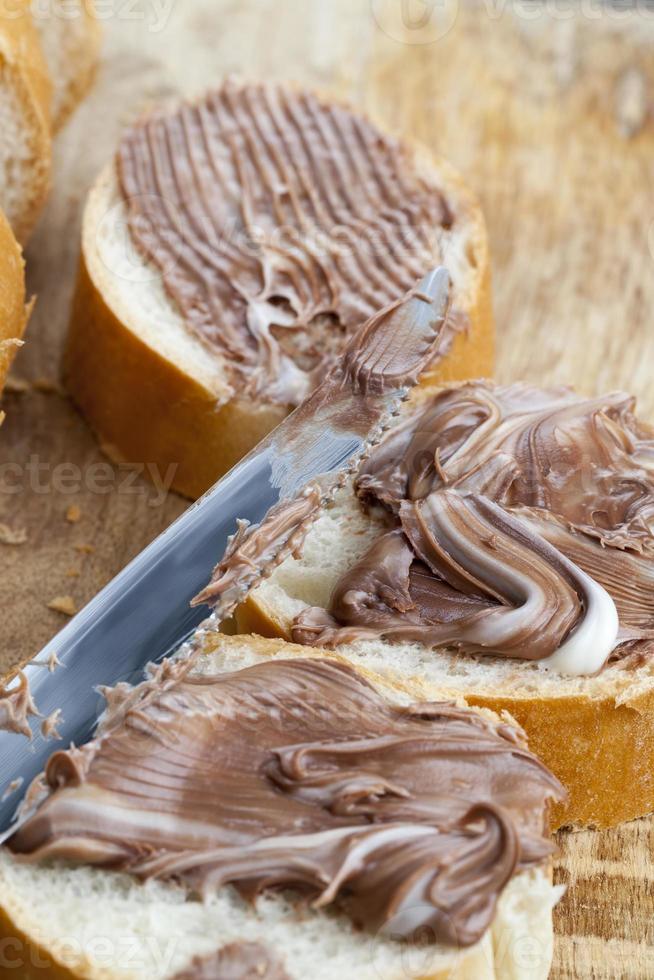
(549, 116)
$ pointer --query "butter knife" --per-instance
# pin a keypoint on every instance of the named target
(145, 613)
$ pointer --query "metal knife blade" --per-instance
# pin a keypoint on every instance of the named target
(144, 614)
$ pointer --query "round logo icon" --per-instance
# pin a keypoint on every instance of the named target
(415, 21)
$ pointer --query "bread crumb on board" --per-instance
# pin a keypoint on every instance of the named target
(47, 386)
(73, 514)
(12, 535)
(63, 604)
(85, 549)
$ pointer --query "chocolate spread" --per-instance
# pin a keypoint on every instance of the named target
(252, 549)
(298, 774)
(386, 355)
(279, 224)
(236, 961)
(16, 705)
(520, 523)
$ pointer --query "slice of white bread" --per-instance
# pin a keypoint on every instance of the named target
(595, 733)
(48, 53)
(151, 390)
(13, 311)
(70, 38)
(58, 921)
(25, 95)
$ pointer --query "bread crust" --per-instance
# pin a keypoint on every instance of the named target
(82, 55)
(145, 408)
(21, 58)
(22, 951)
(13, 311)
(602, 750)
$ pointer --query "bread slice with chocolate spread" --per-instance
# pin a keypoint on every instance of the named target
(423, 829)
(500, 547)
(229, 250)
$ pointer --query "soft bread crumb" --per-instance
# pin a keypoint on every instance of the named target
(73, 514)
(12, 535)
(63, 604)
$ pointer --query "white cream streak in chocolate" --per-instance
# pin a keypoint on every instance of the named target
(521, 524)
(279, 223)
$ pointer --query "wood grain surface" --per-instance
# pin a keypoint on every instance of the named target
(547, 110)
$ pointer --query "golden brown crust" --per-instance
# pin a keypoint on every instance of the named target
(21, 58)
(151, 411)
(252, 617)
(13, 312)
(21, 952)
(601, 750)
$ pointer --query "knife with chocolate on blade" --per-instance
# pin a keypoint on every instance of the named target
(146, 612)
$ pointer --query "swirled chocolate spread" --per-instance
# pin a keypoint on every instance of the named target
(520, 524)
(236, 961)
(279, 224)
(299, 774)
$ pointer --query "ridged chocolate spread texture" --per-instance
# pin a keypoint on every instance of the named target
(279, 224)
(299, 774)
(520, 524)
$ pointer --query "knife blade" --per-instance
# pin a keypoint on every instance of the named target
(145, 613)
